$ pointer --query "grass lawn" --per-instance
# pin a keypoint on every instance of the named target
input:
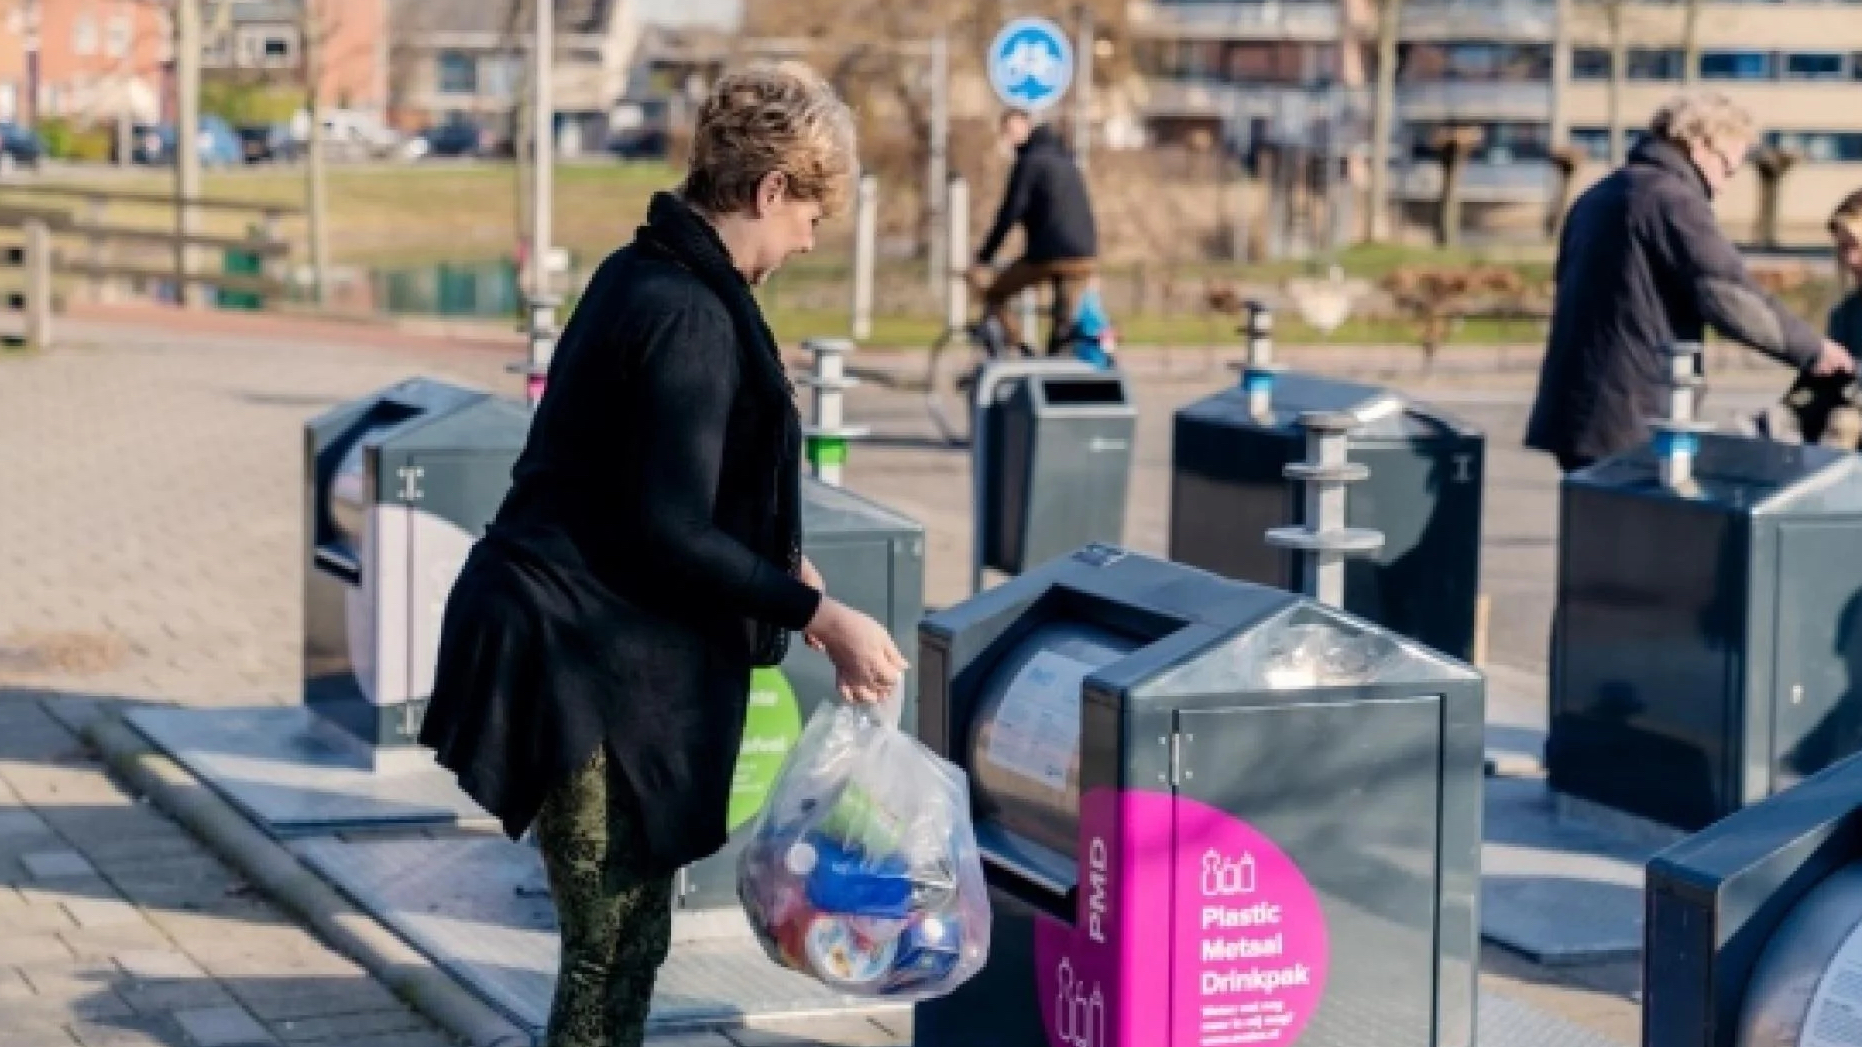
(910, 332)
(399, 214)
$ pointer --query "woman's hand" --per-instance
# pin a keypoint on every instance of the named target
(867, 663)
(808, 575)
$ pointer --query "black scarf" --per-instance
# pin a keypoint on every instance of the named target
(677, 232)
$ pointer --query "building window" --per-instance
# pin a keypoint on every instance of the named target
(501, 75)
(1736, 65)
(1590, 63)
(116, 36)
(1502, 142)
(1595, 141)
(1823, 65)
(1656, 64)
(84, 35)
(1471, 61)
(1819, 147)
(276, 49)
(458, 73)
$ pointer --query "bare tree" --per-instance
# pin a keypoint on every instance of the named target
(1690, 42)
(317, 26)
(1383, 117)
(1615, 14)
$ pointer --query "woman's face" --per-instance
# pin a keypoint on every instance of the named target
(785, 226)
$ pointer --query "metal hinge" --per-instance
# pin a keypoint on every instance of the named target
(1176, 759)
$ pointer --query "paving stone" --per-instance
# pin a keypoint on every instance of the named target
(157, 965)
(141, 1031)
(831, 1031)
(102, 943)
(411, 1038)
(103, 912)
(222, 1027)
(23, 949)
(278, 1000)
(52, 865)
(164, 997)
(347, 1028)
(36, 1033)
(21, 823)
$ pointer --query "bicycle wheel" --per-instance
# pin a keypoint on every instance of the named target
(947, 396)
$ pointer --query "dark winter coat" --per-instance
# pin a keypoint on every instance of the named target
(643, 561)
(1643, 264)
(1048, 196)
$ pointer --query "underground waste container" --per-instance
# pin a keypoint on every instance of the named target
(400, 484)
(1053, 458)
(1754, 931)
(1228, 488)
(1210, 813)
(873, 560)
(1708, 651)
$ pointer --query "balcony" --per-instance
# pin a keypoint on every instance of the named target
(1504, 20)
(1302, 20)
(1526, 182)
(1288, 107)
(1472, 100)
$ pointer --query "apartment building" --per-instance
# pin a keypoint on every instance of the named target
(471, 60)
(1529, 74)
(83, 59)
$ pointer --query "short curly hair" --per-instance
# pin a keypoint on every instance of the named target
(1701, 116)
(771, 117)
(1848, 214)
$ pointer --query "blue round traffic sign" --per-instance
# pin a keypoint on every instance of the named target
(1030, 64)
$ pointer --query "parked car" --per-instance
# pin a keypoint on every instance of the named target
(19, 147)
(348, 135)
(457, 138)
(640, 129)
(267, 143)
(217, 144)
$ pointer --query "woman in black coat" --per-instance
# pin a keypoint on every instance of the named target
(596, 652)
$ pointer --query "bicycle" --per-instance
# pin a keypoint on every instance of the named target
(1088, 337)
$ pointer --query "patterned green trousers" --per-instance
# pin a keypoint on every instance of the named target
(616, 921)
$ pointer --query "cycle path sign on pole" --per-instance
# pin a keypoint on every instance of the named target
(1031, 64)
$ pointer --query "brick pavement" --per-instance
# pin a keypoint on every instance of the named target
(150, 514)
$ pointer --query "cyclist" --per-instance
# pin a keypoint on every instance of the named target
(1047, 197)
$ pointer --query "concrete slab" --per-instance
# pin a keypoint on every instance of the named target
(267, 762)
(468, 903)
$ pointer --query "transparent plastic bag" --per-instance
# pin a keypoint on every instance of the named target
(862, 869)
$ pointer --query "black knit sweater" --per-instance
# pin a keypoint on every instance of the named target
(644, 559)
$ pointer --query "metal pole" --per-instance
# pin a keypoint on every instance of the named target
(543, 138)
(187, 142)
(938, 258)
(1257, 374)
(1083, 87)
(957, 239)
(317, 188)
(1677, 437)
(865, 250)
(38, 259)
(830, 434)
(1322, 545)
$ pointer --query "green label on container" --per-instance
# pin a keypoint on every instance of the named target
(827, 450)
(772, 725)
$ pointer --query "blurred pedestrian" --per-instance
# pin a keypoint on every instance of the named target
(1642, 264)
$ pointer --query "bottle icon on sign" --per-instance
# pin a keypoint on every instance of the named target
(1079, 1016)
(1224, 876)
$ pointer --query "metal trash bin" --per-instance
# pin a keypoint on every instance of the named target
(400, 484)
(874, 561)
(1206, 807)
(1227, 488)
(1052, 456)
(1754, 931)
(1708, 648)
